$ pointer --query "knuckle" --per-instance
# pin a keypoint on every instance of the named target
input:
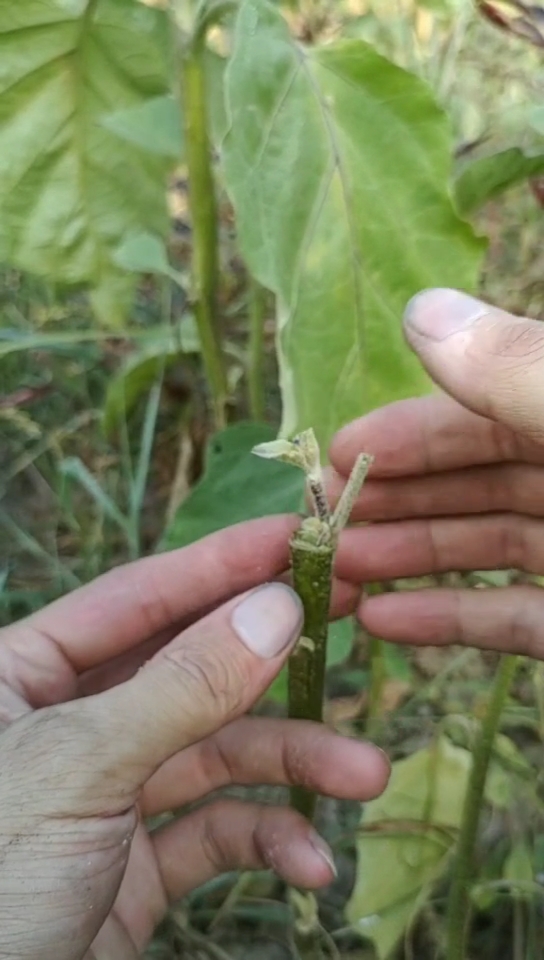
(525, 627)
(213, 843)
(217, 765)
(512, 531)
(210, 676)
(512, 339)
(46, 747)
(297, 762)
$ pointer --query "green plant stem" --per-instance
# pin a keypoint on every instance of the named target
(312, 578)
(257, 303)
(378, 673)
(377, 680)
(459, 898)
(203, 207)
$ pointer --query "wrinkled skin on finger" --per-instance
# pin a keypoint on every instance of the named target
(127, 699)
(457, 481)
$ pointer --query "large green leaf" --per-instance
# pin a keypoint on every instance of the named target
(338, 162)
(70, 190)
(236, 486)
(406, 835)
(487, 177)
(154, 125)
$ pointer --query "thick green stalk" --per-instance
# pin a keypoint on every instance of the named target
(255, 378)
(312, 577)
(312, 554)
(459, 898)
(203, 207)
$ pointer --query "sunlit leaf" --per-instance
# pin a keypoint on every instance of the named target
(154, 126)
(236, 486)
(338, 163)
(143, 253)
(487, 177)
(70, 190)
(406, 835)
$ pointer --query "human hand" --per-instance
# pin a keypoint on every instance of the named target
(458, 481)
(124, 700)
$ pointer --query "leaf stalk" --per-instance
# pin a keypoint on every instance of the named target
(459, 898)
(203, 209)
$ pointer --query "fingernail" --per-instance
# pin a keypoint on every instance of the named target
(268, 620)
(437, 314)
(322, 848)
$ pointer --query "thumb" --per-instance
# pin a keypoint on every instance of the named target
(489, 360)
(208, 675)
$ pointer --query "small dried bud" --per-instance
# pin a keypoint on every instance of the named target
(302, 452)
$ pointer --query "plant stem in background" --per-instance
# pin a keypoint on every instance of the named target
(203, 207)
(255, 378)
(378, 672)
(378, 676)
(459, 898)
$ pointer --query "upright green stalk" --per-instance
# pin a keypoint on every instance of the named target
(459, 899)
(255, 378)
(378, 672)
(312, 577)
(313, 547)
(203, 207)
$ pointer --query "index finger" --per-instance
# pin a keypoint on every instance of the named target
(428, 435)
(131, 603)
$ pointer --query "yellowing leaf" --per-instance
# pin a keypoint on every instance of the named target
(70, 190)
(338, 163)
(405, 837)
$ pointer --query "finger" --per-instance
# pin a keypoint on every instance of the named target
(232, 835)
(345, 596)
(414, 548)
(427, 435)
(509, 619)
(119, 669)
(207, 676)
(259, 750)
(128, 605)
(509, 486)
(487, 359)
